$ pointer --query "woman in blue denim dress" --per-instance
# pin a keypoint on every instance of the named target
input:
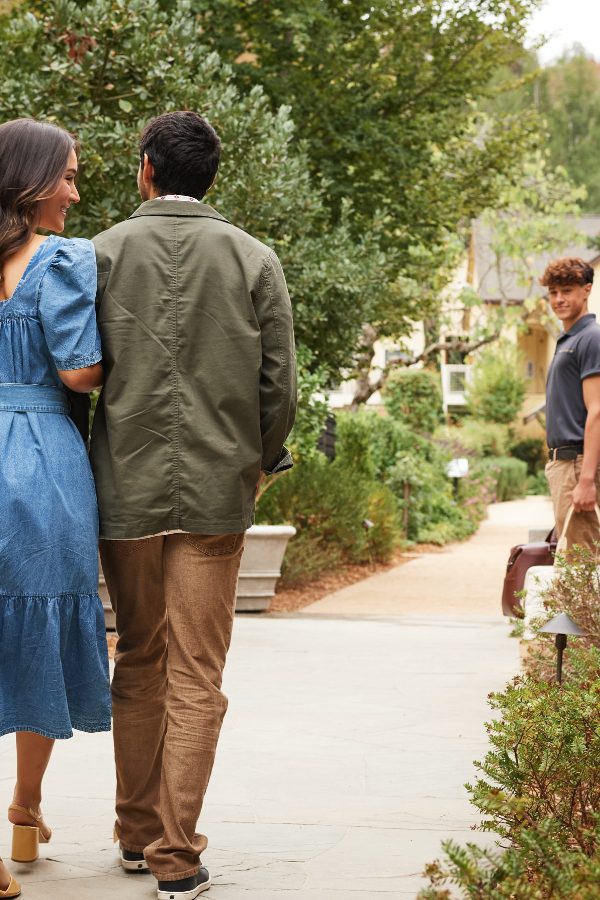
(53, 654)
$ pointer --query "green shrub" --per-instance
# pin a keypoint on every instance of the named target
(497, 390)
(475, 437)
(414, 397)
(475, 492)
(539, 792)
(312, 409)
(382, 511)
(539, 784)
(371, 443)
(384, 473)
(544, 758)
(328, 502)
(510, 476)
(414, 468)
(307, 558)
(538, 484)
(533, 452)
(538, 868)
(574, 590)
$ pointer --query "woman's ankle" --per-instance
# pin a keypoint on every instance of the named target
(27, 798)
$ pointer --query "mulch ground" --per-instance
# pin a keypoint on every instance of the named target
(292, 598)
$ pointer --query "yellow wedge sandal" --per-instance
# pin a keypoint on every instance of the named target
(26, 838)
(13, 890)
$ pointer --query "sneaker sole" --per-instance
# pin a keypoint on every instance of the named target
(184, 895)
(135, 865)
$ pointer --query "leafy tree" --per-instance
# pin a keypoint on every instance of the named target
(381, 90)
(385, 95)
(568, 97)
(536, 214)
(102, 69)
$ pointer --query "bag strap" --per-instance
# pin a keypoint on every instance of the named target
(562, 544)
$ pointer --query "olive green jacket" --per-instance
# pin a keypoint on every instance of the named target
(200, 372)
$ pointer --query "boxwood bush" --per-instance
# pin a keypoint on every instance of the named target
(509, 475)
(414, 398)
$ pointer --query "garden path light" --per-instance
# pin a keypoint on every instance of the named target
(561, 625)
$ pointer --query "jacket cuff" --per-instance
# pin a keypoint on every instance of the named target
(285, 461)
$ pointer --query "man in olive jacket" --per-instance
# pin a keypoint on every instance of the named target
(199, 397)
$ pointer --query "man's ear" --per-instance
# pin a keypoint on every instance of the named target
(147, 171)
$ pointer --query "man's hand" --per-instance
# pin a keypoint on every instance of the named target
(584, 496)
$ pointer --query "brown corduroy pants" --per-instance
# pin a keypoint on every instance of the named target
(563, 475)
(174, 599)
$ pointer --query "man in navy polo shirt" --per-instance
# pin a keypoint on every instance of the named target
(573, 402)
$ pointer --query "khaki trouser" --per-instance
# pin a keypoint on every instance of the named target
(174, 599)
(563, 475)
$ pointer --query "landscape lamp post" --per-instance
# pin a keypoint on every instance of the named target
(561, 625)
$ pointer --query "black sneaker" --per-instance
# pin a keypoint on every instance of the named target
(133, 862)
(184, 888)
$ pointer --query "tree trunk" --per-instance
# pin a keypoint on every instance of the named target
(364, 388)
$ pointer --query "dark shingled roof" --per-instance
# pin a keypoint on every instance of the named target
(505, 283)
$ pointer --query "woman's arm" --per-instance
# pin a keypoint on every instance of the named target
(83, 380)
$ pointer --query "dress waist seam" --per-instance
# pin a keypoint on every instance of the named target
(42, 398)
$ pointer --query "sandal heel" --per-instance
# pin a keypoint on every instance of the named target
(25, 843)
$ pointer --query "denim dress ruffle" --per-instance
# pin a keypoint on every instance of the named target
(53, 653)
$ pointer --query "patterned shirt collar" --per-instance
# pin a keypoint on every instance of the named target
(178, 197)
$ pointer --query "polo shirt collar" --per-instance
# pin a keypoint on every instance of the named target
(579, 325)
(177, 208)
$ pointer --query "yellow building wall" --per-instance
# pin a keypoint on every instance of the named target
(594, 301)
(536, 347)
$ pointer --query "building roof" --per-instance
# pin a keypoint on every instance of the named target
(505, 282)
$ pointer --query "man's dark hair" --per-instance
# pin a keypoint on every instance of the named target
(184, 151)
(570, 270)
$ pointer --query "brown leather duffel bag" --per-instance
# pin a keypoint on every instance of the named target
(522, 557)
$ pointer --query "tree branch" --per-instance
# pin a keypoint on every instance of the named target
(366, 388)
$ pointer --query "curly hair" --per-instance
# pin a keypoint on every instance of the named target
(561, 272)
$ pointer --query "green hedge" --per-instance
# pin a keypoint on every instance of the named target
(509, 474)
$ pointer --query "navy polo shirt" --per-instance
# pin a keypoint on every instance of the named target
(576, 357)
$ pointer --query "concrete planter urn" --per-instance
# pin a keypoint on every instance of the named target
(261, 566)
(259, 571)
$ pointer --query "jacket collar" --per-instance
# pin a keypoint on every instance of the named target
(177, 208)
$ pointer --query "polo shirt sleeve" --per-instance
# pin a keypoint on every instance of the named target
(588, 351)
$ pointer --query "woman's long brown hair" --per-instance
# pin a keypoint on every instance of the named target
(33, 157)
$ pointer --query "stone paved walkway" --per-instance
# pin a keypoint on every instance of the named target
(351, 729)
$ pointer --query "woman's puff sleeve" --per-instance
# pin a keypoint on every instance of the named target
(67, 306)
